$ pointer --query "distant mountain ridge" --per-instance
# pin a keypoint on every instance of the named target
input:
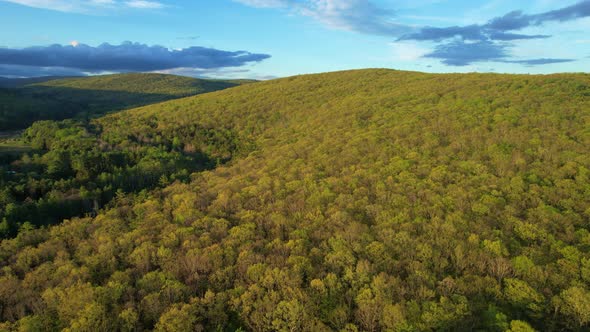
(144, 83)
(47, 98)
(6, 82)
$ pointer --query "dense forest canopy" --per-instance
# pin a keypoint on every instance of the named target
(23, 101)
(371, 200)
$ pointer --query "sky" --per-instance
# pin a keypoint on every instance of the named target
(264, 39)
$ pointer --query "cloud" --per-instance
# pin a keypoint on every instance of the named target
(88, 6)
(464, 45)
(461, 53)
(497, 28)
(579, 10)
(266, 3)
(144, 4)
(455, 45)
(354, 15)
(517, 20)
(125, 57)
(464, 53)
(505, 36)
(543, 61)
(470, 32)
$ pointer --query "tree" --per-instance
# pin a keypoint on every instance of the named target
(574, 302)
(290, 316)
(177, 318)
(523, 296)
(520, 326)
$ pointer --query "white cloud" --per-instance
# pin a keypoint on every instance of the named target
(264, 3)
(144, 4)
(87, 6)
(65, 6)
(407, 51)
(354, 15)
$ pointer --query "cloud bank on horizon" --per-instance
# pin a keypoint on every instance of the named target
(78, 59)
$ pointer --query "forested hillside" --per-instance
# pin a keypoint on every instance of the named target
(87, 97)
(371, 200)
(6, 82)
(17, 110)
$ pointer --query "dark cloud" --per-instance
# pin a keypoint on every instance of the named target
(461, 53)
(125, 57)
(515, 20)
(497, 28)
(488, 42)
(536, 62)
(506, 36)
(470, 32)
(579, 10)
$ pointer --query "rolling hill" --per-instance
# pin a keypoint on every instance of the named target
(139, 84)
(86, 97)
(369, 200)
(6, 82)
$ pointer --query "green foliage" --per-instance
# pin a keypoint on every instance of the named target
(79, 170)
(520, 294)
(574, 302)
(370, 200)
(87, 97)
(520, 326)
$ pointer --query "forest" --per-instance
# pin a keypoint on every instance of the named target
(23, 101)
(365, 200)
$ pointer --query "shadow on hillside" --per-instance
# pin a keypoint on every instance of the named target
(98, 101)
(21, 107)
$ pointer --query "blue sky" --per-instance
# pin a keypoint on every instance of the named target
(274, 38)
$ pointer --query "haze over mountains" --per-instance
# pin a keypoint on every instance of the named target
(368, 200)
